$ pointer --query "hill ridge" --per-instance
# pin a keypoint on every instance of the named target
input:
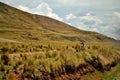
(20, 24)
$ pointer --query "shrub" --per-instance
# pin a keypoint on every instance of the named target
(77, 47)
(2, 67)
(5, 58)
(95, 47)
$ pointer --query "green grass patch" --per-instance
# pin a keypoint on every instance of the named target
(113, 74)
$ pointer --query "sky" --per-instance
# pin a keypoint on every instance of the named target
(102, 16)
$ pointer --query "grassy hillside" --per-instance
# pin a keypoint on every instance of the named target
(35, 47)
(26, 27)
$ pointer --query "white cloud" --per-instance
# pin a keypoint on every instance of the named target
(94, 4)
(8, 3)
(117, 14)
(114, 35)
(41, 9)
(102, 25)
(24, 8)
(86, 22)
(112, 27)
(69, 2)
(69, 23)
(90, 17)
(70, 16)
(45, 9)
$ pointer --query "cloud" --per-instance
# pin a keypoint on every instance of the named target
(41, 9)
(101, 24)
(70, 16)
(69, 23)
(45, 9)
(114, 35)
(21, 7)
(106, 4)
(87, 21)
(117, 14)
(90, 19)
(94, 3)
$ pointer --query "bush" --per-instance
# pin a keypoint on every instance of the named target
(5, 58)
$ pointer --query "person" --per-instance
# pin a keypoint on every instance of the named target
(82, 43)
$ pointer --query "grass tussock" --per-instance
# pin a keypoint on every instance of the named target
(24, 61)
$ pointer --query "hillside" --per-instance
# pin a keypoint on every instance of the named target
(35, 47)
(23, 26)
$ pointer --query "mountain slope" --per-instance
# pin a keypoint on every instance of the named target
(23, 26)
(54, 52)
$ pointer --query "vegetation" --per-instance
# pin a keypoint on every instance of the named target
(36, 47)
(113, 75)
(35, 61)
(29, 28)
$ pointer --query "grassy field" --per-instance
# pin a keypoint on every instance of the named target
(113, 74)
(20, 60)
(35, 47)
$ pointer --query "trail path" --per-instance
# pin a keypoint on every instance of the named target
(8, 40)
